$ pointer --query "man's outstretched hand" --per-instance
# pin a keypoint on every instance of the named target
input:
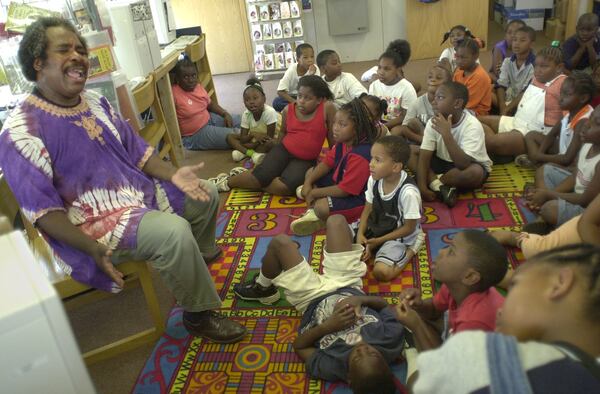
(188, 182)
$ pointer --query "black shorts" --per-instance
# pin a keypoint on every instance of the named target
(280, 163)
(441, 166)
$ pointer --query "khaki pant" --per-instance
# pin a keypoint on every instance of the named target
(563, 235)
(174, 245)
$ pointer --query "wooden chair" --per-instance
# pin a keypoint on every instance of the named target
(155, 131)
(75, 294)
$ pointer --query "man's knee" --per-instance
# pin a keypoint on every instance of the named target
(282, 241)
(383, 272)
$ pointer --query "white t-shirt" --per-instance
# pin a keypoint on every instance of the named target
(421, 109)
(469, 135)
(345, 88)
(290, 79)
(398, 96)
(586, 168)
(268, 116)
(409, 202)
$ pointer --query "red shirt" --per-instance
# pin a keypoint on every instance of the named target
(479, 85)
(356, 173)
(304, 139)
(192, 109)
(476, 312)
(595, 101)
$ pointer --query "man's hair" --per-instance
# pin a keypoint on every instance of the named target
(588, 18)
(487, 257)
(302, 47)
(527, 30)
(184, 62)
(458, 91)
(587, 258)
(377, 381)
(34, 44)
(396, 147)
(323, 56)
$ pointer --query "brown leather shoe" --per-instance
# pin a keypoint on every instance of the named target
(213, 326)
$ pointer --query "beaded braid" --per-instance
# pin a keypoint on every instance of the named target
(363, 125)
(551, 53)
(381, 104)
(587, 258)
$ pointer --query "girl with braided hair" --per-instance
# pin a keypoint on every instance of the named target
(337, 184)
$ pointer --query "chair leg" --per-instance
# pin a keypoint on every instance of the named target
(151, 300)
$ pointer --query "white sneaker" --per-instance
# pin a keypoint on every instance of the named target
(220, 181)
(257, 158)
(307, 223)
(419, 243)
(236, 155)
(237, 171)
(299, 192)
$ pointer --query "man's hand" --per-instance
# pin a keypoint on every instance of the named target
(343, 316)
(228, 119)
(407, 315)
(101, 255)
(412, 297)
(442, 125)
(188, 182)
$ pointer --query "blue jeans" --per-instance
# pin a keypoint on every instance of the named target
(213, 135)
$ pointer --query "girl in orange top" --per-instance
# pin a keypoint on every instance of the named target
(474, 77)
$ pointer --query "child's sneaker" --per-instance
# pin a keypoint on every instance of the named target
(419, 243)
(307, 223)
(299, 192)
(237, 171)
(524, 161)
(448, 195)
(252, 291)
(236, 155)
(220, 181)
(257, 158)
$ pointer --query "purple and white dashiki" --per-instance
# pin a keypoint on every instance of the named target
(86, 161)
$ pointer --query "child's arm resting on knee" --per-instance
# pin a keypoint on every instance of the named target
(589, 224)
(426, 337)
(343, 316)
(563, 191)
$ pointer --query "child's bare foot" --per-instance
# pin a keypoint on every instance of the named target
(505, 237)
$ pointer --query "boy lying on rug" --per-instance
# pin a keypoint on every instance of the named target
(548, 338)
(469, 268)
(344, 334)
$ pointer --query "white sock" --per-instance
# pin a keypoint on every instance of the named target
(435, 185)
(263, 280)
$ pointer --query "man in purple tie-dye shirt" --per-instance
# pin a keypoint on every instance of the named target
(97, 191)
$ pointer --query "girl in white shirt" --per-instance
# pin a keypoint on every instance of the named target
(392, 86)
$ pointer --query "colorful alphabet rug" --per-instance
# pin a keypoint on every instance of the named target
(265, 362)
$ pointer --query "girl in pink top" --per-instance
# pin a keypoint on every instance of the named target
(305, 126)
(203, 124)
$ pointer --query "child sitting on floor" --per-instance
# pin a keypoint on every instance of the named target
(258, 126)
(391, 84)
(452, 154)
(344, 86)
(306, 124)
(561, 195)
(377, 109)
(503, 49)
(581, 50)
(561, 145)
(516, 71)
(390, 228)
(337, 184)
(471, 74)
(203, 124)
(538, 110)
(468, 268)
(547, 340)
(456, 35)
(287, 90)
(419, 112)
(344, 334)
(581, 228)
